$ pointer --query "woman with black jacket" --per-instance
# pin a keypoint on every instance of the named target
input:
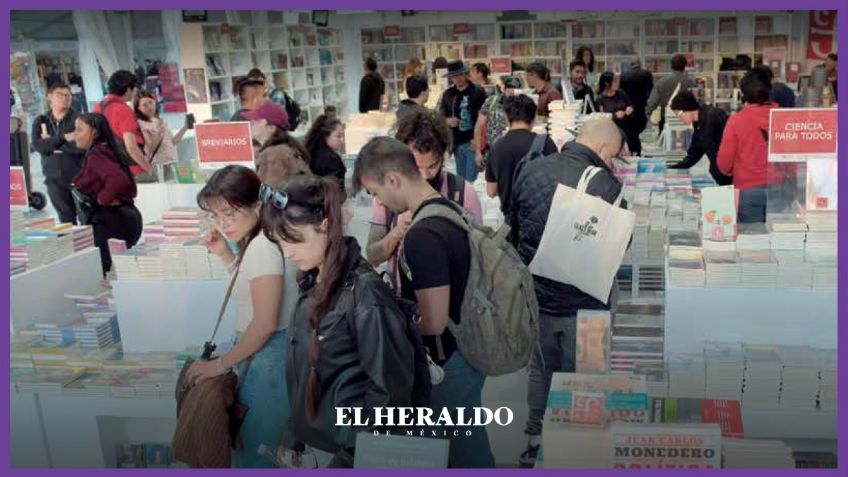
(709, 123)
(108, 184)
(325, 142)
(348, 344)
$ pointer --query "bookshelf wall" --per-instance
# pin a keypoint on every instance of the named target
(305, 61)
(615, 43)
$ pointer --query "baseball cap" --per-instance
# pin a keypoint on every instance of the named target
(271, 112)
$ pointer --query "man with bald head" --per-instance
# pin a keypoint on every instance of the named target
(598, 142)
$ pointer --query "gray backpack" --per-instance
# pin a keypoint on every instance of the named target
(499, 327)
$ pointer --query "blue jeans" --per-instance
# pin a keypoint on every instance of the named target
(466, 162)
(462, 387)
(558, 340)
(752, 205)
(263, 390)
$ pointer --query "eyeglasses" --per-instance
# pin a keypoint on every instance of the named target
(227, 217)
(279, 198)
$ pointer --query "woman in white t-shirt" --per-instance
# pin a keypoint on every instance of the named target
(265, 290)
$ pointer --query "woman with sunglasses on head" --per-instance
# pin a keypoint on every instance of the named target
(107, 184)
(348, 344)
(265, 291)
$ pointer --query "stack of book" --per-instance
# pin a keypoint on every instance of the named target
(793, 271)
(759, 268)
(16, 267)
(150, 264)
(562, 121)
(17, 225)
(727, 413)
(824, 273)
(43, 381)
(814, 460)
(116, 246)
(60, 330)
(827, 379)
(637, 337)
(20, 355)
(762, 377)
(154, 233)
(160, 384)
(183, 223)
(787, 232)
(725, 366)
(125, 264)
(173, 256)
(726, 246)
(198, 260)
(656, 378)
(97, 332)
(593, 341)
(723, 269)
(800, 377)
(753, 236)
(639, 245)
(686, 375)
(756, 454)
(92, 360)
(685, 259)
(83, 236)
(821, 219)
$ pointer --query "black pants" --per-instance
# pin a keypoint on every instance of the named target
(120, 222)
(634, 144)
(63, 202)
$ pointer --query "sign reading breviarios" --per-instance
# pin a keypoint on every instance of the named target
(222, 144)
(18, 198)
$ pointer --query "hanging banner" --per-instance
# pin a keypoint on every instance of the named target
(802, 134)
(18, 198)
(222, 144)
(820, 39)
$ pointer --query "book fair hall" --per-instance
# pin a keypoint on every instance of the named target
(444, 239)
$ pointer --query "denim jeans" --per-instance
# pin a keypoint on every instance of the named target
(462, 387)
(466, 162)
(263, 390)
(752, 205)
(558, 340)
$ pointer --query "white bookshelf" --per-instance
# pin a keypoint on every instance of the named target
(392, 54)
(305, 61)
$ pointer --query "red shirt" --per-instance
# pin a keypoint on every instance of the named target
(102, 177)
(743, 153)
(121, 119)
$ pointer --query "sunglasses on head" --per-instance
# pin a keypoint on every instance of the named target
(281, 199)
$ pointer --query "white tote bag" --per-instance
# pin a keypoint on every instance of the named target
(585, 239)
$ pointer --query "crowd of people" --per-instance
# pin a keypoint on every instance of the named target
(317, 327)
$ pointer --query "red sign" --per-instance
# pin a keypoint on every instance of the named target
(793, 72)
(461, 28)
(18, 198)
(820, 40)
(222, 144)
(391, 32)
(801, 134)
(501, 65)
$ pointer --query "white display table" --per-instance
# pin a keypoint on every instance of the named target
(170, 315)
(39, 294)
(155, 198)
(749, 315)
(28, 441)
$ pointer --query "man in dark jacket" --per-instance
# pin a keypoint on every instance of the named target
(664, 88)
(598, 142)
(61, 159)
(371, 88)
(638, 83)
(708, 122)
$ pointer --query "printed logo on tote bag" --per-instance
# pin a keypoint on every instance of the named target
(586, 230)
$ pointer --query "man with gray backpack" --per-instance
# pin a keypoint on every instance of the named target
(475, 297)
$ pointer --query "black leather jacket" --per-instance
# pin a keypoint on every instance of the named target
(366, 359)
(532, 194)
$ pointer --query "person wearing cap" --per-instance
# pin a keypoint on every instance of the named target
(492, 123)
(251, 92)
(709, 123)
(460, 105)
(266, 122)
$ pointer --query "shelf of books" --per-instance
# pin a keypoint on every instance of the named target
(305, 61)
(392, 53)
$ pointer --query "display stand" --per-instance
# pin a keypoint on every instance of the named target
(83, 431)
(749, 315)
(170, 315)
(39, 294)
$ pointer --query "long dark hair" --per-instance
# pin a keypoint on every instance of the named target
(139, 95)
(238, 186)
(590, 67)
(605, 81)
(316, 138)
(311, 200)
(104, 135)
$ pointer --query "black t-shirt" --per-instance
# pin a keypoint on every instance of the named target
(327, 163)
(437, 255)
(452, 106)
(504, 157)
(613, 104)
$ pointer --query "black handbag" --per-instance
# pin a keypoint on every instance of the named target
(85, 205)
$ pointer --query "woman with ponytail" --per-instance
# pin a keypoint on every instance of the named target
(348, 344)
(107, 185)
(265, 291)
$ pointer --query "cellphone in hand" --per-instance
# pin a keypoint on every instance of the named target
(190, 120)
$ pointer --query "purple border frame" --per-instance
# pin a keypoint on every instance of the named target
(771, 5)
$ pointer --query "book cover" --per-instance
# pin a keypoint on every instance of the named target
(157, 455)
(652, 446)
(727, 413)
(593, 341)
(718, 217)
